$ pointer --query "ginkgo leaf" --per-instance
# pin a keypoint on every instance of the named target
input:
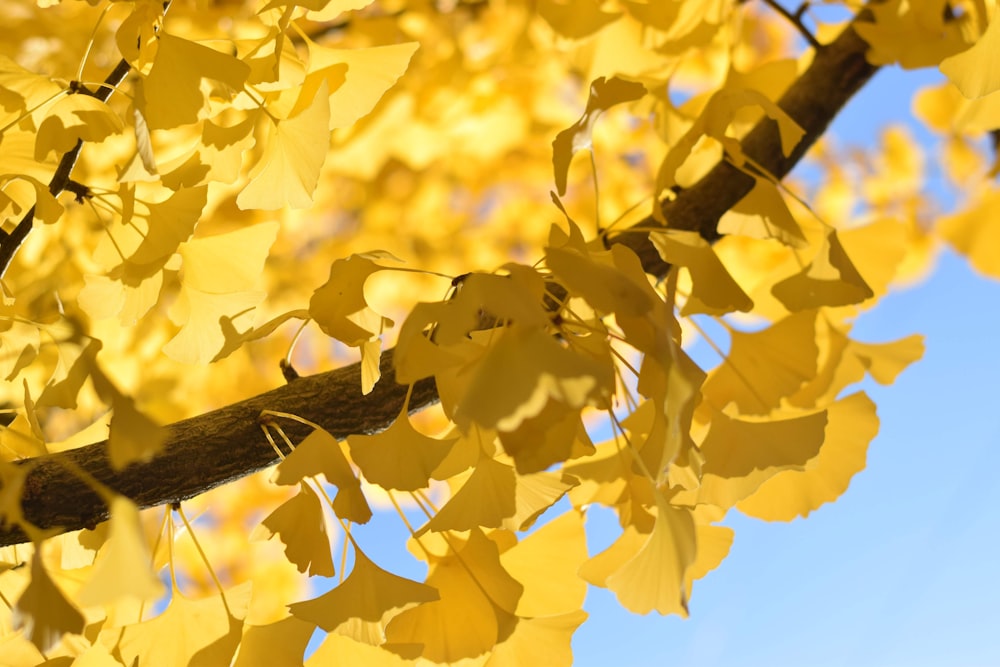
(792, 493)
(555, 434)
(122, 567)
(171, 222)
(763, 214)
(400, 457)
(576, 19)
(976, 71)
(75, 118)
(741, 455)
(764, 366)
(301, 525)
(198, 633)
(830, 280)
(534, 494)
(219, 277)
(486, 499)
(604, 94)
(539, 641)
(364, 603)
(975, 233)
(171, 92)
(522, 371)
(914, 34)
(713, 290)
(475, 609)
(294, 152)
(646, 572)
(341, 650)
(319, 453)
(43, 611)
(339, 305)
(280, 643)
(546, 564)
(370, 73)
(235, 339)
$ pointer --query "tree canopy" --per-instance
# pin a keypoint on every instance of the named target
(442, 261)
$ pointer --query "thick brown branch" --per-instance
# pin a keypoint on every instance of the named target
(220, 446)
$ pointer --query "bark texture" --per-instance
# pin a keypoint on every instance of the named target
(206, 451)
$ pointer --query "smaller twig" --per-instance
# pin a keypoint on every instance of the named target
(796, 20)
(79, 190)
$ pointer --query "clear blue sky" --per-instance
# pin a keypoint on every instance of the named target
(902, 570)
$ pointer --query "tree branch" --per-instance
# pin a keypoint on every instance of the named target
(226, 444)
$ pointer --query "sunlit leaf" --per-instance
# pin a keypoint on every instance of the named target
(43, 610)
(301, 525)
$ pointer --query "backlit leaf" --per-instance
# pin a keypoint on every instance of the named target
(43, 611)
(301, 525)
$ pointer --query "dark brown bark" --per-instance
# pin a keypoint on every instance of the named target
(226, 444)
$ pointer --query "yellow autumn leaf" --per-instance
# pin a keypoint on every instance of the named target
(522, 371)
(190, 632)
(852, 425)
(539, 641)
(280, 643)
(713, 290)
(122, 567)
(646, 572)
(975, 232)
(765, 366)
(42, 611)
(546, 564)
(485, 499)
(555, 434)
(474, 612)
(740, 455)
(576, 20)
(294, 151)
(369, 74)
(763, 214)
(341, 650)
(976, 71)
(319, 453)
(830, 279)
(604, 94)
(171, 92)
(399, 458)
(75, 118)
(364, 603)
(339, 306)
(219, 277)
(301, 525)
(132, 435)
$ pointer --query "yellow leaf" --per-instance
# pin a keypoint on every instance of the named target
(474, 612)
(647, 572)
(364, 603)
(604, 94)
(301, 525)
(763, 214)
(975, 233)
(197, 633)
(400, 457)
(74, 118)
(576, 20)
(522, 371)
(219, 275)
(486, 499)
(914, 34)
(319, 453)
(792, 493)
(122, 568)
(43, 611)
(554, 435)
(370, 73)
(171, 92)
(539, 641)
(280, 643)
(132, 435)
(830, 280)
(294, 152)
(341, 650)
(171, 222)
(534, 494)
(741, 455)
(765, 366)
(339, 306)
(976, 71)
(713, 290)
(546, 564)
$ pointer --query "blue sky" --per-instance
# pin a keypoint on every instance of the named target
(902, 570)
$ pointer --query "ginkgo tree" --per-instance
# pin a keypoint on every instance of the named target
(444, 261)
